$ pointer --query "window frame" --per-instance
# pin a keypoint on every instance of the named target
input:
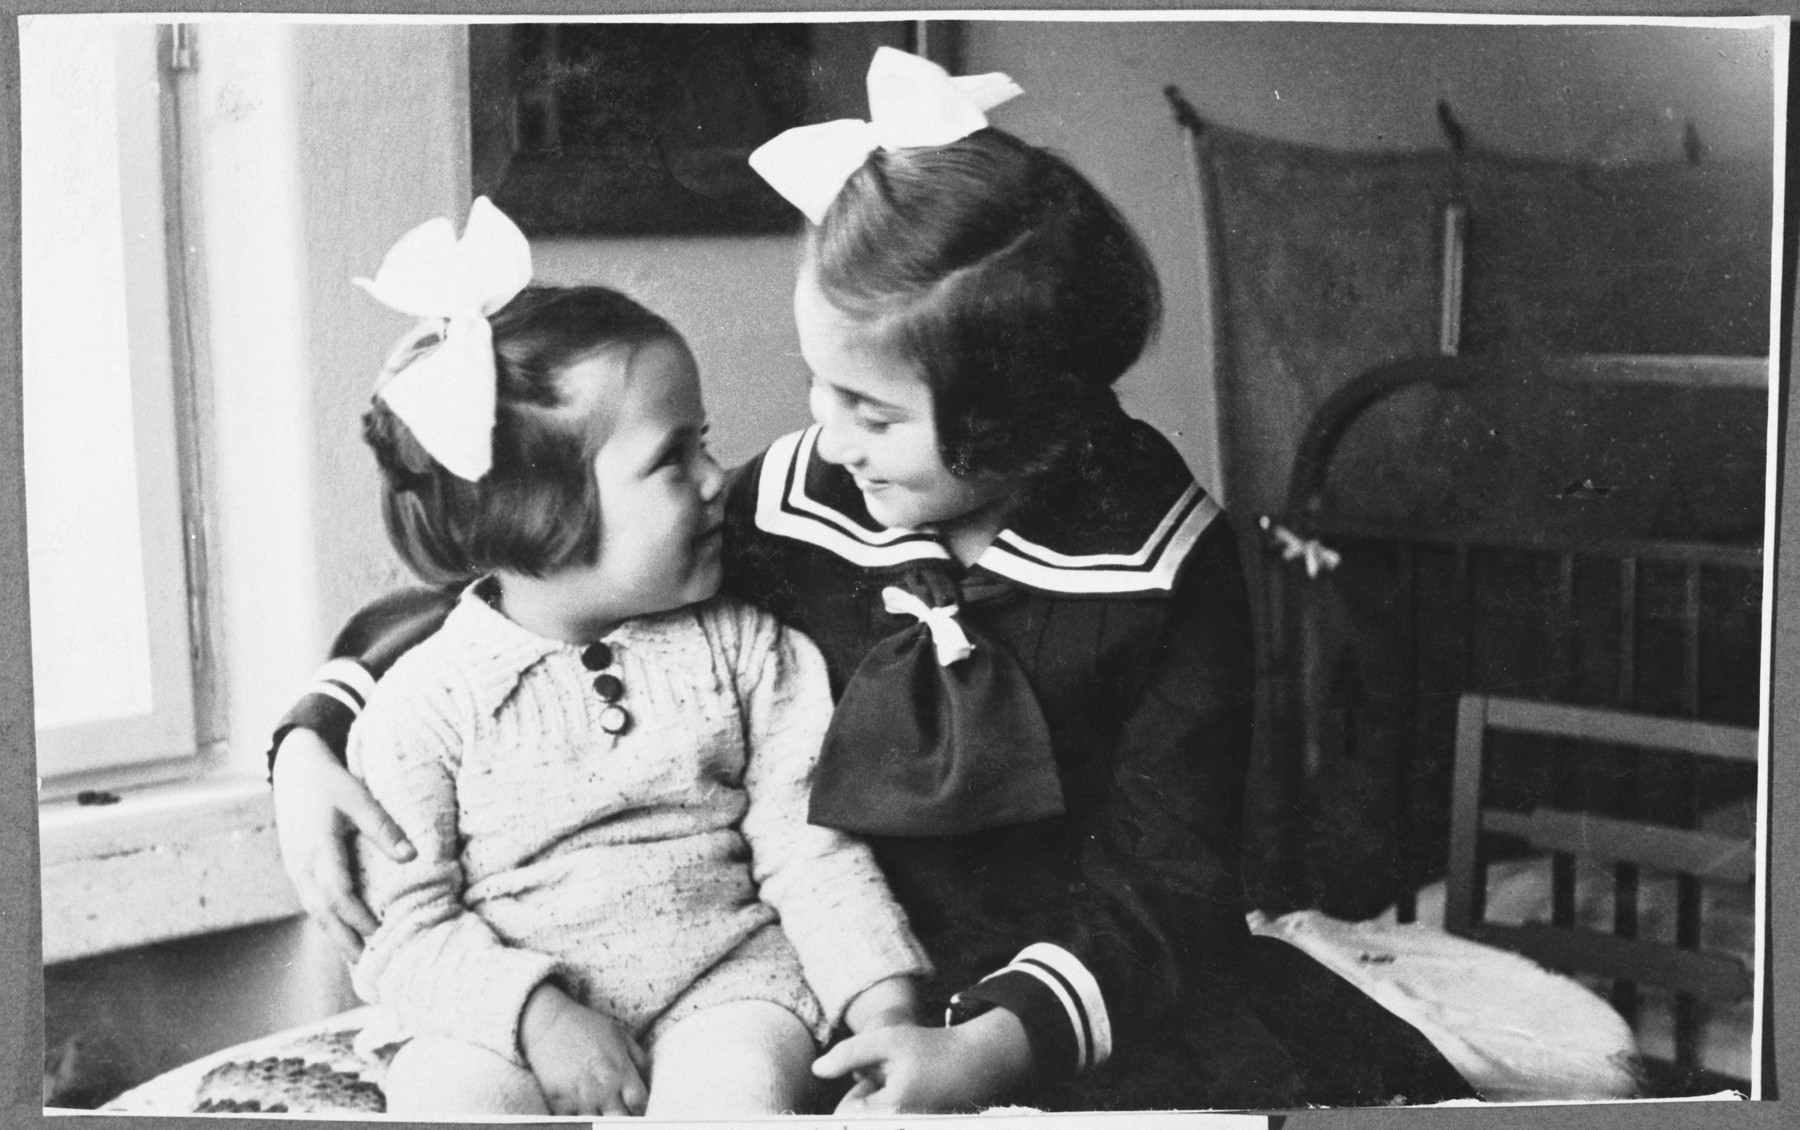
(165, 742)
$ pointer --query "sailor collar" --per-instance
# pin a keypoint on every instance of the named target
(1129, 532)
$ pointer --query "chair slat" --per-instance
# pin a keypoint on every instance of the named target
(1715, 976)
(1462, 891)
(1701, 854)
(1679, 735)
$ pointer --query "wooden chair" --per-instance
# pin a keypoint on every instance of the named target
(1693, 855)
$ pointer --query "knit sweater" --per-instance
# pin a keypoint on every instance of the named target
(623, 865)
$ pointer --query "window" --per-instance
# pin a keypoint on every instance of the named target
(111, 654)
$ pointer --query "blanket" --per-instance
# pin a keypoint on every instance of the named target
(1516, 1031)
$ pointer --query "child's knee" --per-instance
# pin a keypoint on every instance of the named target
(439, 1075)
(741, 1058)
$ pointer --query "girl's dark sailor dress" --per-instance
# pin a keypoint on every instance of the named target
(1047, 751)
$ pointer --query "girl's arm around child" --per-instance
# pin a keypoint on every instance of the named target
(318, 806)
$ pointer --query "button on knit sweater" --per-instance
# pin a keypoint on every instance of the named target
(626, 866)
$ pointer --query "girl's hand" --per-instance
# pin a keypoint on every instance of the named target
(584, 1060)
(319, 804)
(907, 1069)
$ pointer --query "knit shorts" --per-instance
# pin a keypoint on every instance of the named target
(763, 967)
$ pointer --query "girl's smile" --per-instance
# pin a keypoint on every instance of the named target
(876, 420)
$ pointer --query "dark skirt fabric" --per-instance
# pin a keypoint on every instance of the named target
(1285, 1033)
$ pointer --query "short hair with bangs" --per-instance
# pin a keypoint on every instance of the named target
(1018, 289)
(537, 509)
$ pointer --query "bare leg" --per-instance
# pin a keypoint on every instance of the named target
(439, 1075)
(740, 1058)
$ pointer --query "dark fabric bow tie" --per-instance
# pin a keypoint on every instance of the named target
(923, 747)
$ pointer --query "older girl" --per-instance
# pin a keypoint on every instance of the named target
(1038, 636)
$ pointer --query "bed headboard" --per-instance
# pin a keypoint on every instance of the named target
(1581, 529)
(1540, 451)
(1328, 263)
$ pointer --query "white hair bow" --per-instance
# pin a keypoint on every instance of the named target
(446, 397)
(913, 102)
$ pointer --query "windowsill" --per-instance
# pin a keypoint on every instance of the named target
(167, 861)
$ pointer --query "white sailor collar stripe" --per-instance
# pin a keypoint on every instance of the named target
(784, 508)
(1152, 567)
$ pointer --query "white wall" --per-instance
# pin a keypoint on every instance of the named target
(316, 147)
(384, 145)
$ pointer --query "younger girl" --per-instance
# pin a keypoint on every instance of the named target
(1036, 626)
(598, 761)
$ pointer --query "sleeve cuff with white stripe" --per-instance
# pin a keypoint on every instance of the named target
(1057, 1000)
(345, 680)
(332, 702)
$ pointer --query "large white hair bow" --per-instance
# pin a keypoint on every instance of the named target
(446, 397)
(913, 102)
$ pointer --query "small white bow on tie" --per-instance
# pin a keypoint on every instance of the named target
(947, 635)
(446, 397)
(913, 102)
(1312, 552)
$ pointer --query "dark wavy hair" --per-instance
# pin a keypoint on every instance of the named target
(537, 509)
(1019, 290)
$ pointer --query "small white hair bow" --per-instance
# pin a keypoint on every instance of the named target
(947, 635)
(446, 397)
(913, 102)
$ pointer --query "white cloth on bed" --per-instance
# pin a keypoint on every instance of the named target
(1518, 891)
(1515, 1031)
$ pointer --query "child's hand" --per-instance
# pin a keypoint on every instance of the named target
(318, 805)
(907, 1069)
(883, 1004)
(585, 1061)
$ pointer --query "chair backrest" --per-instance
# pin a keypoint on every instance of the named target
(1704, 855)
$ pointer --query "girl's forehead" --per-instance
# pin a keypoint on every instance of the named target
(661, 387)
(851, 354)
(607, 376)
(878, 376)
(632, 388)
(596, 377)
(590, 389)
(819, 319)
